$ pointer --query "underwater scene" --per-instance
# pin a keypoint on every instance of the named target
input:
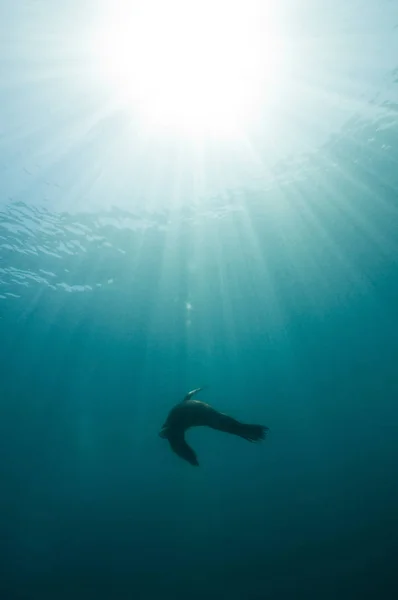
(198, 300)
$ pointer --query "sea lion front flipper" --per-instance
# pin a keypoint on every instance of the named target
(179, 446)
(193, 392)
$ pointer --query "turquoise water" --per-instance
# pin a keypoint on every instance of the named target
(270, 276)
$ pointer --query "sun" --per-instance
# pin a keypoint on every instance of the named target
(193, 68)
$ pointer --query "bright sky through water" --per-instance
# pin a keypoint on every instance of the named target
(168, 103)
(197, 70)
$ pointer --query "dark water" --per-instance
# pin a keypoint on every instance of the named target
(284, 301)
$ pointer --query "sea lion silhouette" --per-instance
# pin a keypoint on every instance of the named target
(193, 413)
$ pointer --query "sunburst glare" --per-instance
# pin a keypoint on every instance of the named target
(197, 69)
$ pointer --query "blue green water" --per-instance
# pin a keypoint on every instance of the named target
(122, 286)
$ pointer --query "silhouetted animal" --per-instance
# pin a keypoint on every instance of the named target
(193, 413)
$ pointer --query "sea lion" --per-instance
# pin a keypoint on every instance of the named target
(193, 413)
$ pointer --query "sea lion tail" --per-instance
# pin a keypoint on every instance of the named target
(253, 433)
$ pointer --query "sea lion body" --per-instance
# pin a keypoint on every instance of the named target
(187, 414)
(193, 413)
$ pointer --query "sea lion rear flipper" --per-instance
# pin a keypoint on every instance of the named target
(222, 422)
(253, 433)
(180, 447)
